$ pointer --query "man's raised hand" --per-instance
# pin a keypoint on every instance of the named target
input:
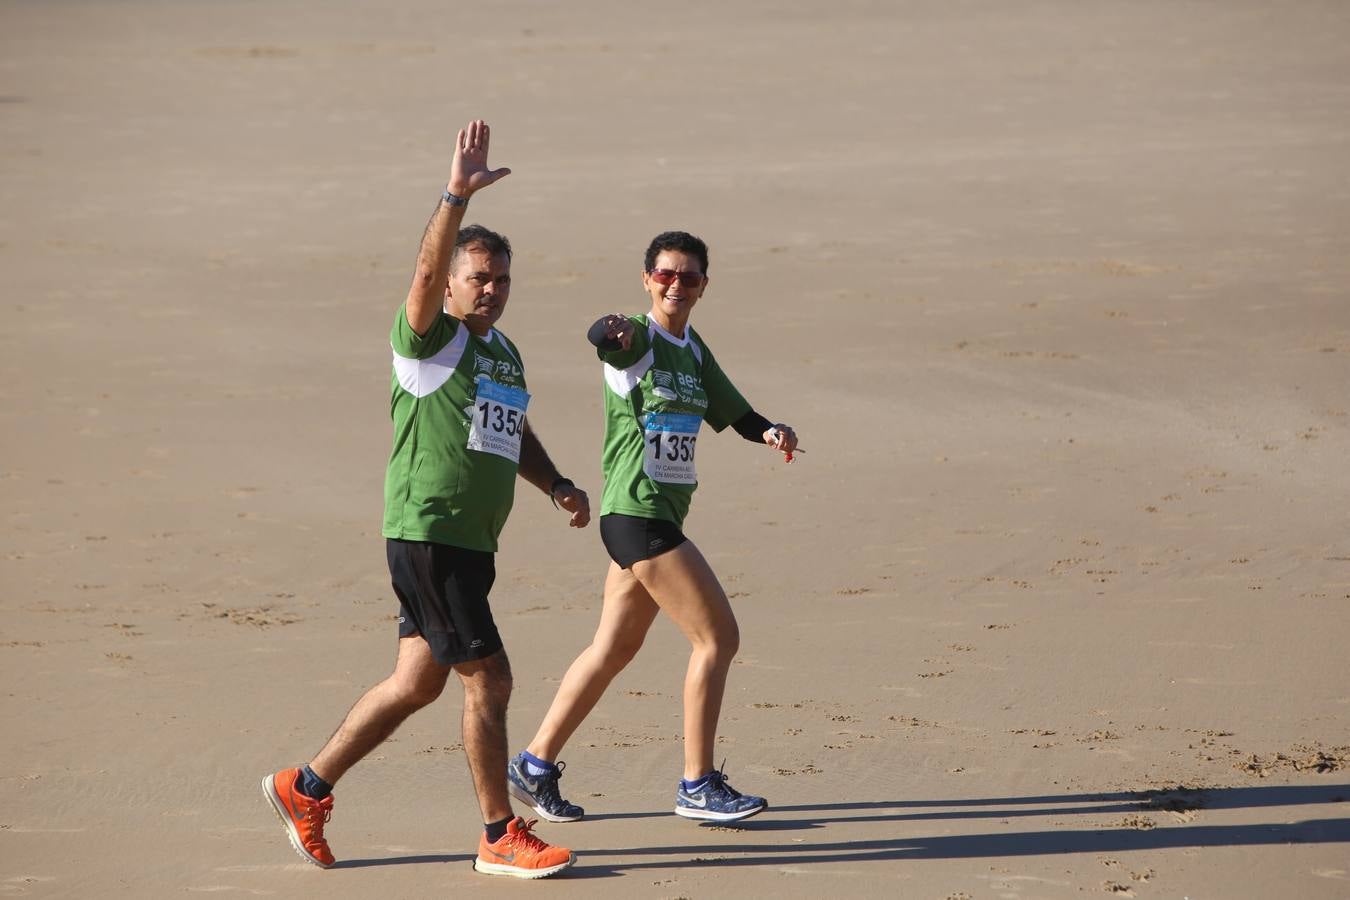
(469, 171)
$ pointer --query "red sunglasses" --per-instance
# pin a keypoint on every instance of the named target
(669, 276)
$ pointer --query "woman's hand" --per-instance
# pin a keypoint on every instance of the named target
(620, 328)
(782, 438)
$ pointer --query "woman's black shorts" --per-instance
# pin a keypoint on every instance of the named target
(631, 539)
(443, 592)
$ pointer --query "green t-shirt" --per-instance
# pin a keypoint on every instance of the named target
(657, 393)
(458, 407)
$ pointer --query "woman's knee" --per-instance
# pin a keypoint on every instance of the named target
(729, 643)
(734, 643)
(721, 644)
(615, 652)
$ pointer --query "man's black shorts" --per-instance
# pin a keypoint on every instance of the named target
(631, 539)
(443, 592)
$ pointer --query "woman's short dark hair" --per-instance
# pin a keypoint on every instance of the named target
(679, 241)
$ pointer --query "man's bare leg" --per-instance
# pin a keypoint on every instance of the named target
(487, 690)
(417, 680)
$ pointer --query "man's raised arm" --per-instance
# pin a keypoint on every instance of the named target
(469, 173)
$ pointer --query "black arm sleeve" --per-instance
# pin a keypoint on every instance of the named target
(752, 426)
(596, 336)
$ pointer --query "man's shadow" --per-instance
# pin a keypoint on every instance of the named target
(1134, 832)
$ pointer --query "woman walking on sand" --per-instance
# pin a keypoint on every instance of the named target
(662, 384)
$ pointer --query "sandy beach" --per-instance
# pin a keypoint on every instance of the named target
(1057, 296)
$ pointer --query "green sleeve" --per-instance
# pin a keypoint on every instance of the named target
(637, 348)
(725, 403)
(408, 344)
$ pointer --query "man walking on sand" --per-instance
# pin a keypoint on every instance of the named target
(460, 438)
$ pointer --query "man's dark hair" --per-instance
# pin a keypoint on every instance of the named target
(679, 241)
(478, 236)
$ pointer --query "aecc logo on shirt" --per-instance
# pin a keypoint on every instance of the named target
(684, 386)
(501, 370)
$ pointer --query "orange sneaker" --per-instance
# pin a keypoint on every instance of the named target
(520, 854)
(304, 817)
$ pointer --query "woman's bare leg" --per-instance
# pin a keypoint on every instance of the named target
(627, 615)
(683, 584)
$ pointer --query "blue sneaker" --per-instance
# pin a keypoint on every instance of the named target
(541, 791)
(717, 801)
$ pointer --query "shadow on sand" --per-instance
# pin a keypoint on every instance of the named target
(1181, 802)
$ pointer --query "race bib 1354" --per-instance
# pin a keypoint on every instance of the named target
(498, 419)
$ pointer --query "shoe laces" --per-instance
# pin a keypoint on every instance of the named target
(717, 779)
(317, 815)
(524, 838)
(548, 785)
(551, 779)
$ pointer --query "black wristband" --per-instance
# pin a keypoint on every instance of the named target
(752, 426)
(596, 335)
(557, 483)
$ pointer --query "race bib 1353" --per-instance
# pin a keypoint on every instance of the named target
(668, 451)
